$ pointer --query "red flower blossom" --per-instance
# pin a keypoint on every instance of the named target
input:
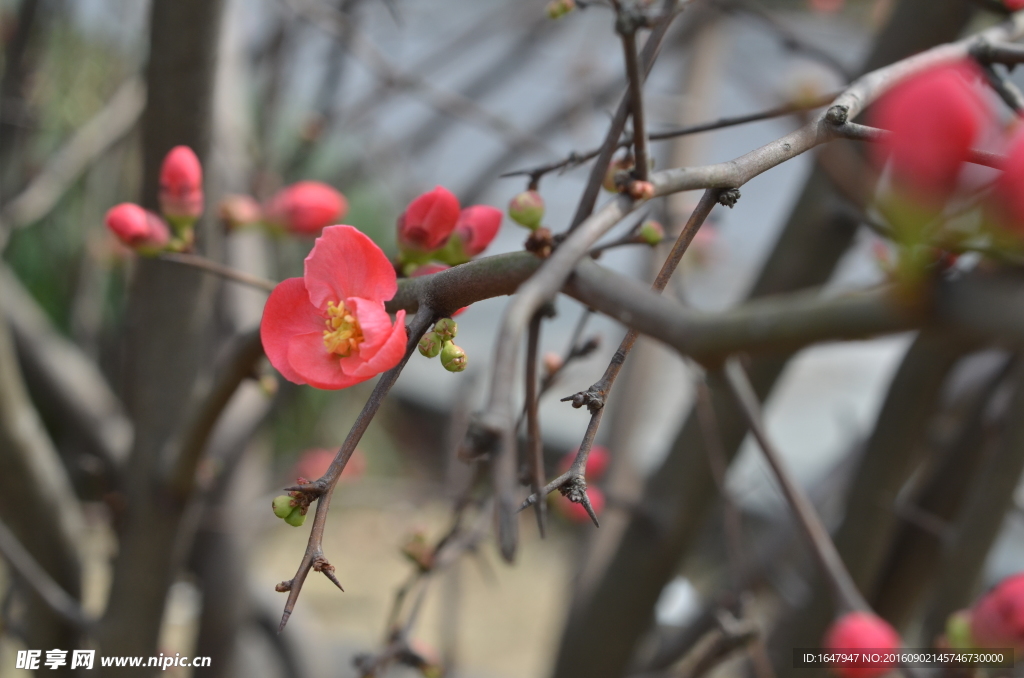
(997, 620)
(476, 228)
(575, 512)
(137, 228)
(428, 220)
(934, 117)
(306, 207)
(1008, 197)
(329, 328)
(861, 631)
(597, 462)
(181, 184)
(1014, 5)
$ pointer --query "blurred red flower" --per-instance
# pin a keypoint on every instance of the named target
(476, 228)
(428, 220)
(306, 207)
(137, 228)
(861, 631)
(181, 184)
(997, 620)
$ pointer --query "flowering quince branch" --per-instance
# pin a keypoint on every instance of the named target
(492, 432)
(626, 24)
(572, 483)
(322, 489)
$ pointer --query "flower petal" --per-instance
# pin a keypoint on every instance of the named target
(346, 263)
(287, 313)
(373, 320)
(309, 358)
(369, 362)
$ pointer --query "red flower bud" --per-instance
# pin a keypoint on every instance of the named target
(597, 462)
(307, 207)
(997, 620)
(641, 190)
(861, 631)
(575, 512)
(476, 228)
(181, 184)
(137, 228)
(934, 117)
(552, 363)
(239, 210)
(428, 220)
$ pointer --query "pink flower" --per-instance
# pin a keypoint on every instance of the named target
(476, 228)
(861, 631)
(575, 512)
(181, 184)
(329, 328)
(137, 228)
(1008, 196)
(997, 620)
(597, 462)
(306, 207)
(428, 220)
(934, 117)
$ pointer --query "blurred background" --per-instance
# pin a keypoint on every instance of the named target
(384, 99)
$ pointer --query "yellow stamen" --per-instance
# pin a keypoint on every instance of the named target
(343, 334)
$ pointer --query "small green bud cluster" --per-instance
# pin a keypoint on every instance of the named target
(439, 342)
(291, 507)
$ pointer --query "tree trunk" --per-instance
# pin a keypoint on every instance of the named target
(170, 318)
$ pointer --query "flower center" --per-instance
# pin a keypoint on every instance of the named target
(343, 334)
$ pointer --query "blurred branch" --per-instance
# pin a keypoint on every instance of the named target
(336, 24)
(216, 268)
(534, 442)
(86, 146)
(72, 383)
(626, 26)
(26, 567)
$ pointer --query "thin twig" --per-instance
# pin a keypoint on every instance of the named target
(626, 26)
(322, 489)
(534, 443)
(575, 159)
(610, 143)
(848, 598)
(218, 269)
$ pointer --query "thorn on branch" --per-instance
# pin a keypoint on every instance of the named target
(729, 197)
(575, 490)
(320, 564)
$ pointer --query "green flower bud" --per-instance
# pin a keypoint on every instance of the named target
(430, 345)
(282, 506)
(527, 209)
(296, 517)
(651, 232)
(453, 358)
(559, 8)
(446, 328)
(958, 630)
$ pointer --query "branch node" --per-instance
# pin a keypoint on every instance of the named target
(284, 587)
(838, 115)
(540, 242)
(729, 197)
(320, 564)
